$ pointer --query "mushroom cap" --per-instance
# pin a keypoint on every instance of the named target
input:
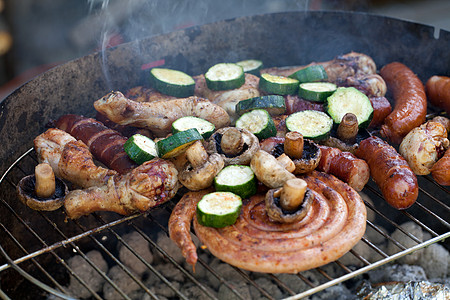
(310, 158)
(27, 194)
(278, 214)
(196, 179)
(251, 145)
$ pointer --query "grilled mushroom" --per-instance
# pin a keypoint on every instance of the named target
(199, 173)
(304, 153)
(236, 145)
(289, 203)
(348, 128)
(269, 170)
(42, 191)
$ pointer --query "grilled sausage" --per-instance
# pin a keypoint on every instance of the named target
(410, 107)
(345, 166)
(105, 144)
(381, 109)
(441, 169)
(390, 171)
(438, 92)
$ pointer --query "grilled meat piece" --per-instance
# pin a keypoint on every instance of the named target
(150, 184)
(143, 94)
(334, 223)
(229, 98)
(70, 159)
(104, 143)
(423, 146)
(338, 69)
(158, 116)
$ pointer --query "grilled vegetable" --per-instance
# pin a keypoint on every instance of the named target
(310, 74)
(350, 100)
(237, 179)
(205, 128)
(177, 143)
(219, 209)
(258, 122)
(316, 91)
(274, 104)
(172, 82)
(225, 76)
(312, 124)
(140, 148)
(252, 66)
(278, 85)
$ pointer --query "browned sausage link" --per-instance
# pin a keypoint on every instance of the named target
(441, 169)
(438, 92)
(180, 225)
(390, 171)
(410, 107)
(345, 166)
(381, 109)
(105, 144)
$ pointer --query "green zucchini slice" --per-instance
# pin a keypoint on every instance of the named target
(177, 143)
(237, 179)
(278, 85)
(312, 124)
(258, 122)
(225, 76)
(274, 104)
(172, 82)
(252, 66)
(218, 209)
(310, 74)
(350, 100)
(140, 148)
(316, 91)
(204, 127)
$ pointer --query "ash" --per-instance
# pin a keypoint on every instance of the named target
(144, 272)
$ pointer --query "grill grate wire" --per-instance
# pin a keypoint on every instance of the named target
(69, 244)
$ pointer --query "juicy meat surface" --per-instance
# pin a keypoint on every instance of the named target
(150, 184)
(334, 223)
(158, 116)
(70, 159)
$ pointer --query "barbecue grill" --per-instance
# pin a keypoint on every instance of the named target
(37, 246)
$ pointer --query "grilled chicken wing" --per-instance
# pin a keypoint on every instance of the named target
(70, 159)
(150, 184)
(158, 116)
(228, 99)
(338, 69)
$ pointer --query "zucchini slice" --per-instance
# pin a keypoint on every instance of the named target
(252, 66)
(310, 74)
(258, 122)
(278, 85)
(140, 148)
(225, 76)
(237, 179)
(175, 144)
(312, 124)
(204, 127)
(219, 209)
(316, 91)
(274, 104)
(172, 82)
(350, 100)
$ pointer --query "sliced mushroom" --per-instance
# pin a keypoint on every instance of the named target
(42, 191)
(199, 173)
(289, 203)
(269, 170)
(236, 145)
(348, 128)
